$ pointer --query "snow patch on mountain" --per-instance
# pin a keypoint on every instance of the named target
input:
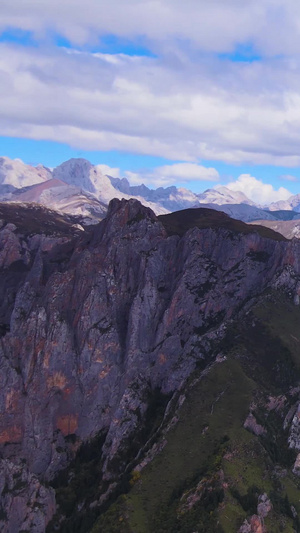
(58, 195)
(170, 198)
(81, 173)
(291, 204)
(14, 174)
(222, 195)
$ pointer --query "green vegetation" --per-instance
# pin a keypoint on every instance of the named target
(281, 318)
(209, 458)
(194, 452)
(211, 470)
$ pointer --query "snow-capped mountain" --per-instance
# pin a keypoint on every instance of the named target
(15, 174)
(222, 196)
(81, 173)
(291, 204)
(79, 188)
(60, 196)
(171, 198)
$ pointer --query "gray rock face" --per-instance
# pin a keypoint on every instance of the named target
(95, 322)
(264, 505)
(26, 504)
(294, 437)
(255, 524)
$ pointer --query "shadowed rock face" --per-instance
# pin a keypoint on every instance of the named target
(91, 323)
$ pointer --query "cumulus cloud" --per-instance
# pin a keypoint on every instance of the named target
(110, 171)
(167, 175)
(185, 103)
(187, 172)
(181, 111)
(261, 193)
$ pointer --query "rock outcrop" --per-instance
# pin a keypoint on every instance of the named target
(94, 322)
(255, 524)
(26, 504)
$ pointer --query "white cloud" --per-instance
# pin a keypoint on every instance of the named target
(261, 193)
(167, 175)
(187, 172)
(110, 171)
(215, 111)
(272, 25)
(289, 177)
(150, 179)
(185, 104)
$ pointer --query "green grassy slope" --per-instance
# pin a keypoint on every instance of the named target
(211, 471)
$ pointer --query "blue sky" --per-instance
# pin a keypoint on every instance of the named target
(195, 95)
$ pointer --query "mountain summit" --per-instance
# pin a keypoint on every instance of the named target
(16, 174)
(222, 196)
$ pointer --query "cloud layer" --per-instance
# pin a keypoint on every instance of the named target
(186, 103)
(218, 26)
(185, 111)
(173, 174)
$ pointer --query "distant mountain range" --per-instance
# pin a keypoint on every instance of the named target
(79, 188)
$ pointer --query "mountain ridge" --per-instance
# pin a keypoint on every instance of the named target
(107, 327)
(86, 191)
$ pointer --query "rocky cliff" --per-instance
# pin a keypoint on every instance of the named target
(101, 330)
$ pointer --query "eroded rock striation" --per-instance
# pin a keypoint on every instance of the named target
(94, 323)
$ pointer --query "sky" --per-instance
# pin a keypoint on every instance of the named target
(195, 94)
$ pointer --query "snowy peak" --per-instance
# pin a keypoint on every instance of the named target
(291, 204)
(90, 178)
(62, 197)
(78, 187)
(222, 195)
(78, 172)
(169, 198)
(121, 184)
(16, 174)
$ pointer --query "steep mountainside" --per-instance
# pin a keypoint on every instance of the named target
(147, 383)
(65, 198)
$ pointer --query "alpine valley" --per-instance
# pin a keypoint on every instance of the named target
(149, 357)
